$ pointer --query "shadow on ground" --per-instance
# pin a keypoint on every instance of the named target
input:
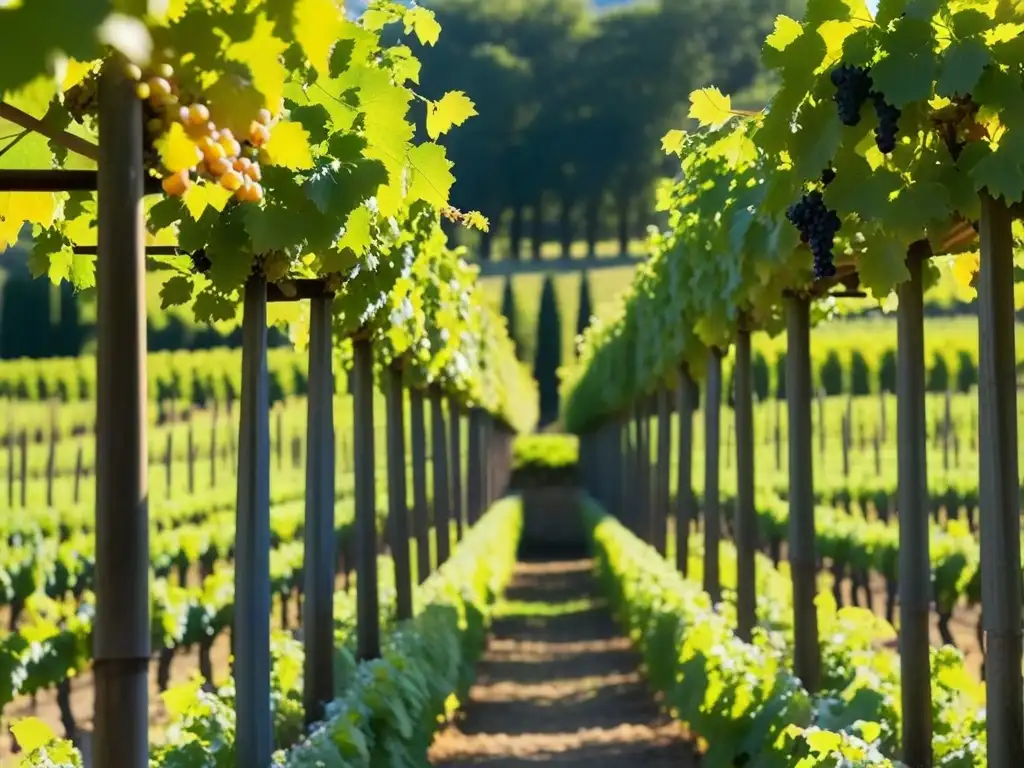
(559, 685)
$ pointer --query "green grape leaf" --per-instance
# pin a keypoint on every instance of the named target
(262, 55)
(883, 266)
(453, 109)
(673, 141)
(176, 291)
(318, 24)
(432, 177)
(82, 272)
(212, 305)
(233, 103)
(288, 147)
(906, 74)
(358, 233)
(421, 21)
(962, 65)
(314, 118)
(786, 31)
(818, 138)
(16, 208)
(200, 196)
(1000, 172)
(915, 207)
(857, 189)
(339, 188)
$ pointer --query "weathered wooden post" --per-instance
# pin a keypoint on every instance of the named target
(803, 561)
(914, 565)
(455, 442)
(746, 516)
(213, 445)
(475, 466)
(121, 638)
(442, 501)
(23, 440)
(686, 511)
(1000, 520)
(398, 510)
(319, 543)
(191, 448)
(367, 598)
(251, 631)
(420, 507)
(712, 441)
(660, 512)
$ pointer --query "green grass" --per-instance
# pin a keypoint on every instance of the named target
(540, 609)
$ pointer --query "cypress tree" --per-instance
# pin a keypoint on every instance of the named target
(585, 311)
(549, 353)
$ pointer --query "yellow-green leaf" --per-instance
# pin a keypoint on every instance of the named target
(198, 196)
(358, 235)
(289, 147)
(710, 107)
(432, 177)
(16, 208)
(454, 108)
(318, 25)
(476, 220)
(786, 31)
(672, 142)
(421, 21)
(177, 151)
(262, 54)
(32, 733)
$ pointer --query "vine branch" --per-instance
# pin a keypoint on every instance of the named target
(64, 139)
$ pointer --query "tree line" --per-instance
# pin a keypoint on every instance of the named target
(573, 100)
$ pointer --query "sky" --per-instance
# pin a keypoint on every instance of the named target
(873, 5)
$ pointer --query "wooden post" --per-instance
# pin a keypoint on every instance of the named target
(712, 443)
(803, 560)
(367, 599)
(78, 473)
(474, 466)
(686, 511)
(319, 560)
(420, 509)
(845, 439)
(661, 496)
(51, 461)
(23, 440)
(442, 502)
(121, 634)
(455, 463)
(10, 455)
(884, 416)
(279, 429)
(914, 565)
(821, 422)
(254, 740)
(947, 429)
(878, 455)
(398, 510)
(169, 462)
(643, 472)
(746, 515)
(213, 445)
(1000, 521)
(190, 437)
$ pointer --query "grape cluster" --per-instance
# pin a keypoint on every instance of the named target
(220, 157)
(853, 87)
(818, 227)
(888, 123)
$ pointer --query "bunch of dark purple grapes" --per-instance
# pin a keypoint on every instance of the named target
(818, 227)
(854, 86)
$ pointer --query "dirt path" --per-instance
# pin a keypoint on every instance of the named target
(559, 684)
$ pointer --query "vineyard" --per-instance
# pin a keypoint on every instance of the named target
(776, 534)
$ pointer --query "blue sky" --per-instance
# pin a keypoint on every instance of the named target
(873, 5)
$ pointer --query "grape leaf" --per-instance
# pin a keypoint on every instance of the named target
(212, 305)
(262, 54)
(176, 291)
(177, 151)
(432, 177)
(421, 21)
(318, 25)
(709, 107)
(16, 208)
(32, 733)
(288, 147)
(915, 207)
(453, 109)
(1001, 173)
(786, 31)
(314, 118)
(339, 188)
(906, 74)
(962, 65)
(198, 196)
(672, 142)
(358, 233)
(233, 103)
(883, 266)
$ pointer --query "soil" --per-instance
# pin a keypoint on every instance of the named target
(559, 684)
